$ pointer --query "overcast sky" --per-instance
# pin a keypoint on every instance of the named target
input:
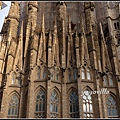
(4, 13)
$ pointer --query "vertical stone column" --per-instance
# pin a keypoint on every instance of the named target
(80, 95)
(64, 109)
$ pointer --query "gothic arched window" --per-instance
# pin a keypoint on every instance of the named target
(87, 105)
(44, 73)
(57, 76)
(13, 107)
(40, 104)
(54, 105)
(83, 73)
(112, 107)
(19, 81)
(73, 105)
(75, 74)
(88, 74)
(13, 80)
(105, 81)
(38, 73)
(110, 80)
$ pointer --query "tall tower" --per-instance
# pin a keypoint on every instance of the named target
(10, 39)
(61, 29)
(92, 35)
(113, 20)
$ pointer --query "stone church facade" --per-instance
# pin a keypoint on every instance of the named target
(53, 55)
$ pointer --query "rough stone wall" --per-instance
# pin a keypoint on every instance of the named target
(41, 53)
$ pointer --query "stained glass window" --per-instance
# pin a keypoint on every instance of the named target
(40, 104)
(13, 80)
(54, 105)
(13, 107)
(83, 73)
(88, 74)
(87, 105)
(105, 81)
(38, 73)
(110, 80)
(112, 107)
(44, 73)
(57, 76)
(73, 105)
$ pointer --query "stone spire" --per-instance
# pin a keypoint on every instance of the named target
(12, 21)
(70, 39)
(92, 36)
(19, 54)
(61, 29)
(50, 55)
(42, 46)
(77, 49)
(55, 45)
(104, 53)
(31, 25)
(84, 47)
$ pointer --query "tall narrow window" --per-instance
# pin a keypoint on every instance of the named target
(13, 107)
(87, 105)
(57, 76)
(44, 73)
(40, 104)
(75, 74)
(83, 73)
(19, 81)
(73, 105)
(88, 74)
(13, 80)
(112, 107)
(110, 80)
(38, 73)
(54, 105)
(105, 81)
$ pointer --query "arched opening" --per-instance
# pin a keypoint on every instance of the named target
(110, 80)
(112, 107)
(83, 73)
(54, 104)
(88, 73)
(40, 104)
(13, 107)
(87, 105)
(105, 80)
(73, 105)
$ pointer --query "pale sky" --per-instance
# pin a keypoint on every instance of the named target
(4, 13)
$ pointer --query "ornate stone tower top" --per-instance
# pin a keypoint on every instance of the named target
(14, 10)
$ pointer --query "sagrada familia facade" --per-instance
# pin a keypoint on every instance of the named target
(60, 60)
